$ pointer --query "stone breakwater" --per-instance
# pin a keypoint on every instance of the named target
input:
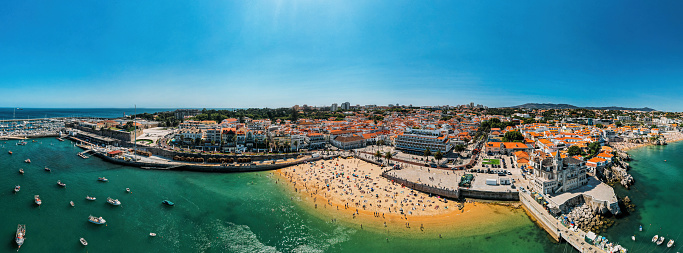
(588, 220)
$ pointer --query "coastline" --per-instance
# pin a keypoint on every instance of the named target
(476, 218)
(630, 146)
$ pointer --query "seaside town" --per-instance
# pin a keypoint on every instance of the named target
(399, 166)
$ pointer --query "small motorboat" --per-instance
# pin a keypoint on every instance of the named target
(168, 202)
(21, 233)
(96, 220)
(103, 179)
(114, 202)
(10, 152)
(27, 161)
(641, 228)
(71, 203)
(654, 238)
(90, 198)
(21, 171)
(59, 182)
(84, 242)
(152, 234)
(670, 243)
(661, 240)
(17, 188)
(36, 199)
(633, 237)
(48, 169)
(128, 190)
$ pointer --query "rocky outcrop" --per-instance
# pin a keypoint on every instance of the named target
(660, 141)
(617, 174)
(624, 156)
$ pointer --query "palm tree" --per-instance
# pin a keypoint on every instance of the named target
(387, 155)
(427, 153)
(378, 155)
(438, 156)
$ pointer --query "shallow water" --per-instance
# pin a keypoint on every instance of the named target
(657, 196)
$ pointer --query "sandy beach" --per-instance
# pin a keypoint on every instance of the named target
(352, 191)
(626, 146)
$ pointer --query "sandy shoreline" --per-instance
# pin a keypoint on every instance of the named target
(669, 137)
(361, 198)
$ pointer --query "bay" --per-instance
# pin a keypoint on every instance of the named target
(236, 212)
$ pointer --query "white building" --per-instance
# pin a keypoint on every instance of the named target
(418, 140)
(554, 175)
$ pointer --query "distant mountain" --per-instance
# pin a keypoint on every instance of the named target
(568, 106)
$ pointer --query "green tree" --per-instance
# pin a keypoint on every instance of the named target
(618, 124)
(574, 150)
(427, 152)
(294, 115)
(594, 148)
(438, 156)
(513, 136)
(378, 154)
(459, 148)
(388, 156)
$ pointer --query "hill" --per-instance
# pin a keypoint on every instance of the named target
(568, 106)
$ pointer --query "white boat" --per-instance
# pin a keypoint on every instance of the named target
(96, 220)
(17, 188)
(21, 233)
(670, 243)
(59, 182)
(27, 161)
(152, 234)
(128, 190)
(654, 238)
(115, 202)
(71, 203)
(21, 171)
(641, 228)
(36, 198)
(84, 242)
(90, 198)
(661, 240)
(103, 179)
(633, 237)
(48, 169)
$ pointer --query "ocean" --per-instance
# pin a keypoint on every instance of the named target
(232, 212)
(32, 113)
(658, 171)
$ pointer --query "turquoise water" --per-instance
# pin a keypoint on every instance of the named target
(240, 212)
(658, 198)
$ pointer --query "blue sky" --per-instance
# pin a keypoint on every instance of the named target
(280, 53)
